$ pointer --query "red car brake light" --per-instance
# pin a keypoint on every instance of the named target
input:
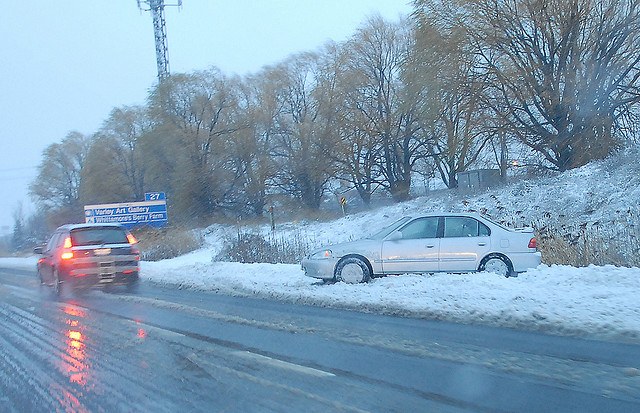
(533, 243)
(67, 254)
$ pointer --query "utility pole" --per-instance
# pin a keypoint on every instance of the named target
(156, 7)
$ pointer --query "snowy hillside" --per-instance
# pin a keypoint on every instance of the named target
(602, 196)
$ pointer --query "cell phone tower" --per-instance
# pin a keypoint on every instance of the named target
(156, 7)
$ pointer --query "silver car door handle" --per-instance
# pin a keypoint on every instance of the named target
(482, 244)
(430, 246)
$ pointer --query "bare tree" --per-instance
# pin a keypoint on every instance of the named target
(252, 143)
(381, 106)
(59, 174)
(127, 126)
(103, 179)
(200, 111)
(306, 125)
(452, 102)
(115, 165)
(564, 73)
(358, 156)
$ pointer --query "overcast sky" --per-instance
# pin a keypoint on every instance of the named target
(66, 64)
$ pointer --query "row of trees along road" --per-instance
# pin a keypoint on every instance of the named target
(458, 84)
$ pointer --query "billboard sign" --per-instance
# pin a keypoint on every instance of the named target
(130, 214)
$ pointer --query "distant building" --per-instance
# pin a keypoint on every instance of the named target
(478, 179)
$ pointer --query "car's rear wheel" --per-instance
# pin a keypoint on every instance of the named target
(497, 264)
(353, 270)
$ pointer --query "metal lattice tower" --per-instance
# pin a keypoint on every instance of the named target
(156, 7)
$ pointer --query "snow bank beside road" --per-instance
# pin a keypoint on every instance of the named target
(27, 263)
(594, 301)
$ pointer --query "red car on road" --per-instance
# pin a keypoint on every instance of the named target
(89, 255)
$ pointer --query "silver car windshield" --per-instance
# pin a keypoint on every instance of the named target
(389, 229)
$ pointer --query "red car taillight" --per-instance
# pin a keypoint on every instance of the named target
(533, 243)
(67, 254)
(132, 240)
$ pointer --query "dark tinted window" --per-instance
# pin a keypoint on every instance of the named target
(464, 227)
(421, 228)
(98, 236)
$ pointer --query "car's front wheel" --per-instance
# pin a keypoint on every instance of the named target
(353, 270)
(497, 264)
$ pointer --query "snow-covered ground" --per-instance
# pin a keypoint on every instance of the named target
(597, 302)
(592, 301)
(600, 302)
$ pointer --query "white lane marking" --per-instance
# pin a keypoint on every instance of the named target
(283, 364)
(333, 406)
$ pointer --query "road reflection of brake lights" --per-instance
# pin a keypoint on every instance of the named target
(142, 333)
(76, 338)
(76, 364)
(74, 311)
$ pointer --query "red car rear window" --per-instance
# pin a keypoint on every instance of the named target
(98, 236)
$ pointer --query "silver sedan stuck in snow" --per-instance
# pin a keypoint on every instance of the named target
(458, 243)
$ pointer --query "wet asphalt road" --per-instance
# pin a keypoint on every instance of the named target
(173, 350)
